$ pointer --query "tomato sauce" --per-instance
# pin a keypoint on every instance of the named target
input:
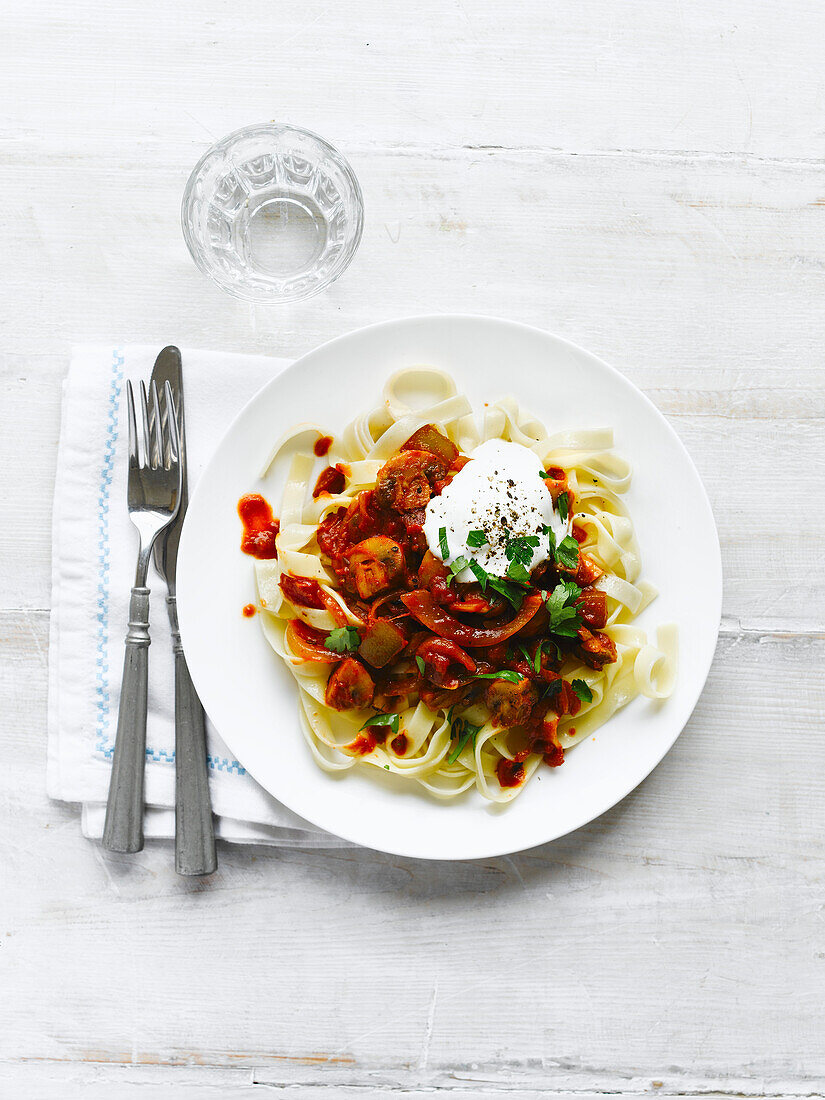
(260, 528)
(249, 611)
(322, 445)
(510, 773)
(399, 744)
(303, 590)
(364, 743)
(330, 480)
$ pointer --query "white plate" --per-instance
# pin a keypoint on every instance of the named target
(251, 697)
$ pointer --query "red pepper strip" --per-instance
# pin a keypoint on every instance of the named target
(436, 618)
(307, 592)
(308, 643)
(438, 654)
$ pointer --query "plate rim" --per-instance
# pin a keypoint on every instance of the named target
(576, 822)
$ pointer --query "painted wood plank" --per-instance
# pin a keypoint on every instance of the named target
(680, 933)
(567, 75)
(55, 1081)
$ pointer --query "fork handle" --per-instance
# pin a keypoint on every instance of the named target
(123, 830)
(194, 834)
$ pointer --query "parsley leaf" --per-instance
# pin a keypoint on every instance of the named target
(571, 591)
(553, 688)
(505, 674)
(420, 662)
(548, 642)
(551, 539)
(567, 553)
(461, 731)
(525, 652)
(343, 639)
(442, 543)
(537, 657)
(476, 539)
(456, 567)
(511, 592)
(479, 575)
(543, 474)
(390, 720)
(517, 571)
(520, 548)
(563, 505)
(582, 689)
(564, 617)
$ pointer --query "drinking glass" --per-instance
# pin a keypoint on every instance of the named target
(272, 213)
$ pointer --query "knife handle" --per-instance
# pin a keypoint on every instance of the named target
(123, 830)
(194, 834)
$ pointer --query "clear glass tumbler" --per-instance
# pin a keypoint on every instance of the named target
(272, 213)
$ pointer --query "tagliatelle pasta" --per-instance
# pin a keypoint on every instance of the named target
(488, 676)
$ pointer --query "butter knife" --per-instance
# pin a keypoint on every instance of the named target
(194, 834)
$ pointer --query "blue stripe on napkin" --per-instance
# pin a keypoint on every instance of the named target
(105, 745)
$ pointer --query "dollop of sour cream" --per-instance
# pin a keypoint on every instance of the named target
(501, 493)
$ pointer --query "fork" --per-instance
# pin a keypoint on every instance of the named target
(154, 493)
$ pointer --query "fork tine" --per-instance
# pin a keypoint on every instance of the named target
(130, 415)
(156, 430)
(172, 424)
(144, 424)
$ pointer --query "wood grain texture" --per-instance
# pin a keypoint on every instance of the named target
(614, 952)
(642, 179)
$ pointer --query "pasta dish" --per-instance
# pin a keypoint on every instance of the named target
(454, 597)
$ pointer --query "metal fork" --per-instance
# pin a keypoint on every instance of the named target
(154, 494)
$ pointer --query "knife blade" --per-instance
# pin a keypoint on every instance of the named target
(194, 831)
(168, 368)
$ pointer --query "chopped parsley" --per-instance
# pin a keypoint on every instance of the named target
(461, 731)
(390, 720)
(475, 539)
(442, 543)
(563, 505)
(520, 548)
(479, 575)
(567, 553)
(456, 567)
(420, 662)
(543, 474)
(519, 553)
(553, 688)
(343, 639)
(582, 689)
(518, 572)
(505, 674)
(564, 616)
(513, 593)
(548, 642)
(551, 540)
(534, 659)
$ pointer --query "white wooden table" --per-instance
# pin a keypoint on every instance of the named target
(643, 178)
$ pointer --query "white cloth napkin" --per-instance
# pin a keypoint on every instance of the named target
(94, 552)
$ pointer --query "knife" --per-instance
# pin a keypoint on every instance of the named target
(194, 834)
